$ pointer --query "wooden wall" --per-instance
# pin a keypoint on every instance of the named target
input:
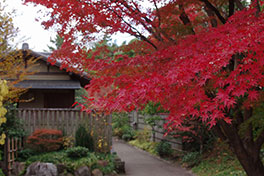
(68, 120)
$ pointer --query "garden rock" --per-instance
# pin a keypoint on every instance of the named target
(82, 171)
(97, 172)
(102, 163)
(66, 174)
(17, 168)
(41, 169)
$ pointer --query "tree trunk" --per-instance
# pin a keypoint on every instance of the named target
(247, 155)
(252, 164)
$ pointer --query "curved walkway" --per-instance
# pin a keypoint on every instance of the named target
(140, 163)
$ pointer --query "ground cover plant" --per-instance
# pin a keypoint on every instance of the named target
(218, 162)
(142, 141)
(72, 159)
(200, 59)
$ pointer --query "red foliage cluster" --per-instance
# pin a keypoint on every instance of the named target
(45, 140)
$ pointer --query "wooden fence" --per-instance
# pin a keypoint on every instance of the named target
(68, 120)
(137, 122)
(11, 148)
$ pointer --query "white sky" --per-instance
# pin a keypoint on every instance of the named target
(31, 30)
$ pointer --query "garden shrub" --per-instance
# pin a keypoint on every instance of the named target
(83, 138)
(1, 173)
(127, 137)
(143, 135)
(121, 127)
(25, 154)
(77, 152)
(45, 140)
(68, 142)
(127, 133)
(164, 149)
(13, 126)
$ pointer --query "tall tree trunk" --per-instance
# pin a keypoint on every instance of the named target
(248, 156)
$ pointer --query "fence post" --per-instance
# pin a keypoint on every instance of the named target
(5, 159)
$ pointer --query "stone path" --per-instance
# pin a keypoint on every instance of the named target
(140, 163)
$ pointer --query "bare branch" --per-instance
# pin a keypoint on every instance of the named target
(184, 17)
(136, 33)
(239, 5)
(231, 8)
(214, 9)
(210, 13)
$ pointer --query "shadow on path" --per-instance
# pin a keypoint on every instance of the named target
(140, 163)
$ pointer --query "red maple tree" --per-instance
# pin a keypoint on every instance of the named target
(206, 62)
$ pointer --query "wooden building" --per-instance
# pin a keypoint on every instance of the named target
(49, 86)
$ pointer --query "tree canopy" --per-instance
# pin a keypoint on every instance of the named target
(12, 61)
(204, 61)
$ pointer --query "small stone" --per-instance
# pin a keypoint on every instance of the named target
(97, 172)
(102, 163)
(17, 168)
(82, 171)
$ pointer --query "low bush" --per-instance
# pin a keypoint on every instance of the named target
(191, 159)
(83, 138)
(13, 126)
(1, 173)
(77, 152)
(23, 155)
(45, 140)
(67, 142)
(164, 149)
(143, 135)
(121, 127)
(127, 137)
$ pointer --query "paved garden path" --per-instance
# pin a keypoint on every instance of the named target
(140, 163)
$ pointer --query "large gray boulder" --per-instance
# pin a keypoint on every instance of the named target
(41, 169)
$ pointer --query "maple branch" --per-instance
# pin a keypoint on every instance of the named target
(158, 15)
(219, 132)
(137, 34)
(239, 5)
(210, 13)
(231, 8)
(214, 9)
(158, 12)
(137, 11)
(184, 18)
